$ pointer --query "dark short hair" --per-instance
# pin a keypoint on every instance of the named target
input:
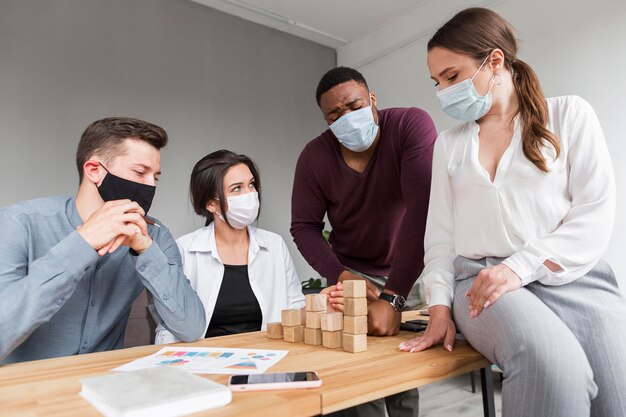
(338, 76)
(105, 138)
(207, 181)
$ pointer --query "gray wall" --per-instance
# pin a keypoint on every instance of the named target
(211, 80)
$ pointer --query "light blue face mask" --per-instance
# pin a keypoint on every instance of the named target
(462, 102)
(356, 130)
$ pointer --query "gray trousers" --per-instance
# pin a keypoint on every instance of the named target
(562, 348)
(403, 404)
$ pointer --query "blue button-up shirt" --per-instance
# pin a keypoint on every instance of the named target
(59, 298)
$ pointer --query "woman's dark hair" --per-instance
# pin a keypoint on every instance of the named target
(477, 32)
(207, 181)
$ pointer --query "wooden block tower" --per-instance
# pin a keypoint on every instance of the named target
(329, 329)
(315, 306)
(354, 337)
(293, 330)
(332, 325)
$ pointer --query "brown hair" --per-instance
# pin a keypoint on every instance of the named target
(207, 181)
(477, 32)
(105, 138)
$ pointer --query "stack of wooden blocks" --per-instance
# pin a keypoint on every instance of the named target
(355, 316)
(315, 306)
(329, 329)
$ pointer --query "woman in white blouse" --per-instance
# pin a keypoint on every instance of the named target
(243, 275)
(521, 210)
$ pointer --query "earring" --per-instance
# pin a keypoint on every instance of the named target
(497, 79)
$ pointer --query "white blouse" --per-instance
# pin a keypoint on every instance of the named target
(272, 275)
(526, 216)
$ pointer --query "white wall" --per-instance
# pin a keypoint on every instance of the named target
(210, 79)
(576, 47)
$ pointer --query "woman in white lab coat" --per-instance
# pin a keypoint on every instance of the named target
(243, 275)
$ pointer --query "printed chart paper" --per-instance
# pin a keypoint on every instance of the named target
(198, 360)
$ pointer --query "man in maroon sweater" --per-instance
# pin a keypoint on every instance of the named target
(370, 173)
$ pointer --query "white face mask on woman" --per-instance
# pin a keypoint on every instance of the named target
(462, 102)
(242, 210)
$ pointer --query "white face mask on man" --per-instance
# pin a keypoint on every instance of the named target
(356, 130)
(243, 210)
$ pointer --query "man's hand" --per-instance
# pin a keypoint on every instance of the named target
(489, 285)
(382, 319)
(372, 291)
(116, 223)
(139, 242)
(334, 297)
(440, 327)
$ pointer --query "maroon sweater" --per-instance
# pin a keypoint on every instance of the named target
(378, 217)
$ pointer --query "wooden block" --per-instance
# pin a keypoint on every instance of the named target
(331, 340)
(315, 302)
(293, 334)
(355, 325)
(275, 330)
(354, 342)
(354, 307)
(354, 288)
(291, 317)
(312, 336)
(314, 319)
(332, 321)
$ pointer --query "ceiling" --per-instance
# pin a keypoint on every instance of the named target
(333, 23)
(361, 31)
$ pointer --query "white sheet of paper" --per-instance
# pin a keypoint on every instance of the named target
(199, 360)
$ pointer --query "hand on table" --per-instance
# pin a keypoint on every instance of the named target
(489, 285)
(440, 328)
(382, 319)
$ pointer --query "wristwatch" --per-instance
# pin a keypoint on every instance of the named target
(396, 301)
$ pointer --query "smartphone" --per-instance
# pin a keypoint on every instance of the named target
(414, 325)
(272, 381)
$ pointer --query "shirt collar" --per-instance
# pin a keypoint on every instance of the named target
(204, 241)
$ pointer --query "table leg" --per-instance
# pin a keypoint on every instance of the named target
(486, 382)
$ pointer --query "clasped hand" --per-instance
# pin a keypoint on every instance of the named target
(117, 223)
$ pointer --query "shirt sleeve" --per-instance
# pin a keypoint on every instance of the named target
(163, 336)
(295, 297)
(308, 208)
(32, 292)
(415, 176)
(160, 269)
(578, 243)
(439, 246)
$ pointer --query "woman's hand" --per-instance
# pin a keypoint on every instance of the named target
(440, 328)
(489, 285)
(334, 297)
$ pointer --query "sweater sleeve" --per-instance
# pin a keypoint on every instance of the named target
(308, 208)
(415, 172)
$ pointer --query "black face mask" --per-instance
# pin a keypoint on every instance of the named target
(117, 188)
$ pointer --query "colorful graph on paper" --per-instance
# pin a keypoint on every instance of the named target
(200, 360)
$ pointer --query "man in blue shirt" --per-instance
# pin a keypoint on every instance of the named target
(67, 282)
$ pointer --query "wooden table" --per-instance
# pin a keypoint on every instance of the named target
(50, 387)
